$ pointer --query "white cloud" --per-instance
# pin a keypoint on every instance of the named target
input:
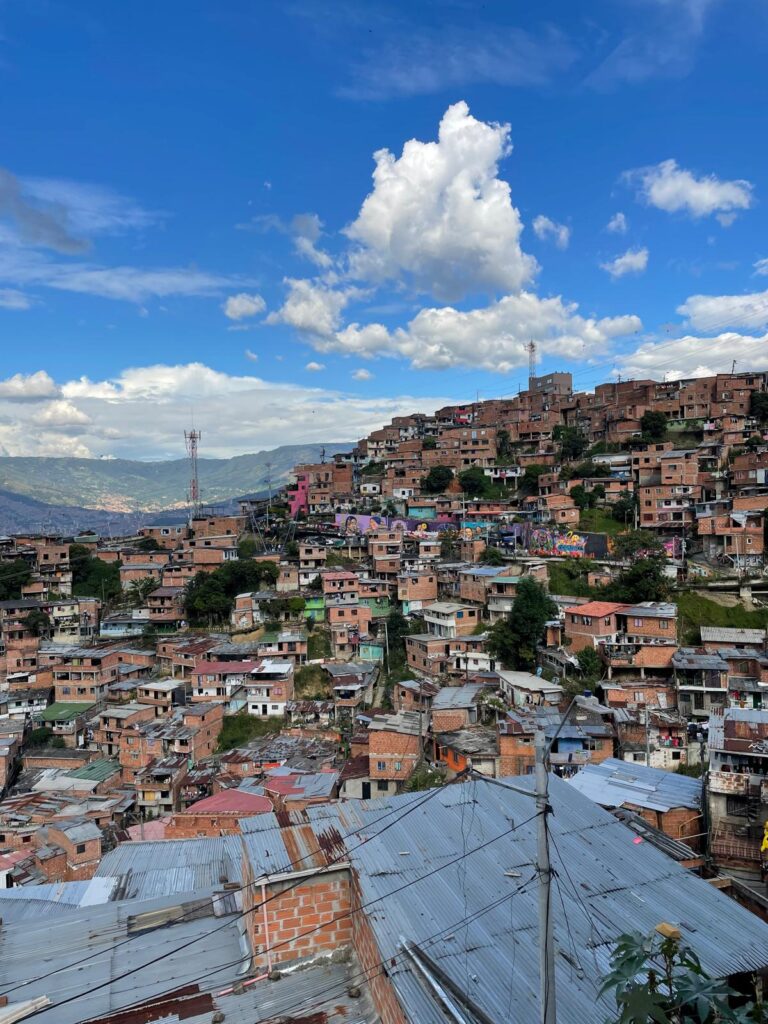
(30, 387)
(251, 355)
(663, 44)
(306, 229)
(242, 305)
(617, 225)
(673, 189)
(61, 413)
(439, 218)
(12, 299)
(313, 367)
(545, 228)
(362, 374)
(24, 267)
(633, 261)
(312, 307)
(90, 209)
(717, 312)
(692, 356)
(492, 338)
(417, 63)
(761, 267)
(141, 414)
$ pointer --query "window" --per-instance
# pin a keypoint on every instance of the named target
(381, 766)
(80, 848)
(676, 755)
(663, 624)
(398, 766)
(637, 622)
(382, 785)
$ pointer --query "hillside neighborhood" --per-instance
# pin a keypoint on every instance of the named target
(295, 750)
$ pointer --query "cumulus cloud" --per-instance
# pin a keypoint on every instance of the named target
(439, 218)
(674, 189)
(141, 414)
(717, 312)
(617, 225)
(313, 367)
(312, 307)
(243, 305)
(633, 261)
(10, 298)
(61, 413)
(362, 374)
(692, 356)
(545, 228)
(30, 387)
(492, 337)
(251, 355)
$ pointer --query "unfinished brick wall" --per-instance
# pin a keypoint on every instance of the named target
(516, 754)
(319, 906)
(392, 749)
(680, 823)
(447, 721)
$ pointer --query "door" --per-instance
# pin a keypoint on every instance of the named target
(263, 709)
(366, 791)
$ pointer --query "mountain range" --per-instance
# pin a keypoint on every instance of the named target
(111, 495)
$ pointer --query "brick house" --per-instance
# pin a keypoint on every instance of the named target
(587, 625)
(394, 747)
(217, 815)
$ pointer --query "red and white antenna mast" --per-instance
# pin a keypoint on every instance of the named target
(531, 347)
(192, 439)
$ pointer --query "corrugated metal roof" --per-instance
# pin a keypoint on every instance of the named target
(170, 866)
(605, 884)
(614, 783)
(731, 635)
(29, 949)
(451, 697)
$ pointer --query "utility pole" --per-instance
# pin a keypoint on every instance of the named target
(647, 737)
(547, 1004)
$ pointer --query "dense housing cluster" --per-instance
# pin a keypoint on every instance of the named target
(286, 734)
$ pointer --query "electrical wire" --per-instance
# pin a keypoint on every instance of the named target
(301, 935)
(282, 870)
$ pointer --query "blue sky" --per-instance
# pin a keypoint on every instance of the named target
(188, 217)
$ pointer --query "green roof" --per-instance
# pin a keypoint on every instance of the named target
(63, 711)
(96, 771)
(506, 579)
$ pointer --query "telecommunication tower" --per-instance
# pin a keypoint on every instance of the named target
(531, 347)
(192, 439)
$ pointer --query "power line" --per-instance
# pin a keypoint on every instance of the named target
(282, 870)
(301, 935)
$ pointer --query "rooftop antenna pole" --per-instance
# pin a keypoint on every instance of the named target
(733, 366)
(531, 347)
(192, 439)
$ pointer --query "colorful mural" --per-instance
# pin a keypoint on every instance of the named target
(547, 541)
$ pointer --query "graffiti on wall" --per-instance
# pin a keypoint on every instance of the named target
(544, 540)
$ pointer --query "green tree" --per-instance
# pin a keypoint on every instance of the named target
(643, 580)
(429, 443)
(92, 577)
(653, 424)
(292, 549)
(437, 479)
(148, 544)
(629, 545)
(513, 640)
(247, 548)
(582, 497)
(657, 978)
(449, 543)
(13, 576)
(210, 597)
(38, 622)
(529, 482)
(139, 591)
(492, 556)
(598, 493)
(753, 443)
(758, 406)
(503, 446)
(474, 482)
(572, 442)
(589, 663)
(373, 469)
(623, 509)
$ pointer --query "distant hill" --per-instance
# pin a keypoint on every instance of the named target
(130, 487)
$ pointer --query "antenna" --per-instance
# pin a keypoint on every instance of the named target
(192, 439)
(322, 456)
(733, 366)
(531, 347)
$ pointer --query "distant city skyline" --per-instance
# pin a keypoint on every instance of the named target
(290, 223)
